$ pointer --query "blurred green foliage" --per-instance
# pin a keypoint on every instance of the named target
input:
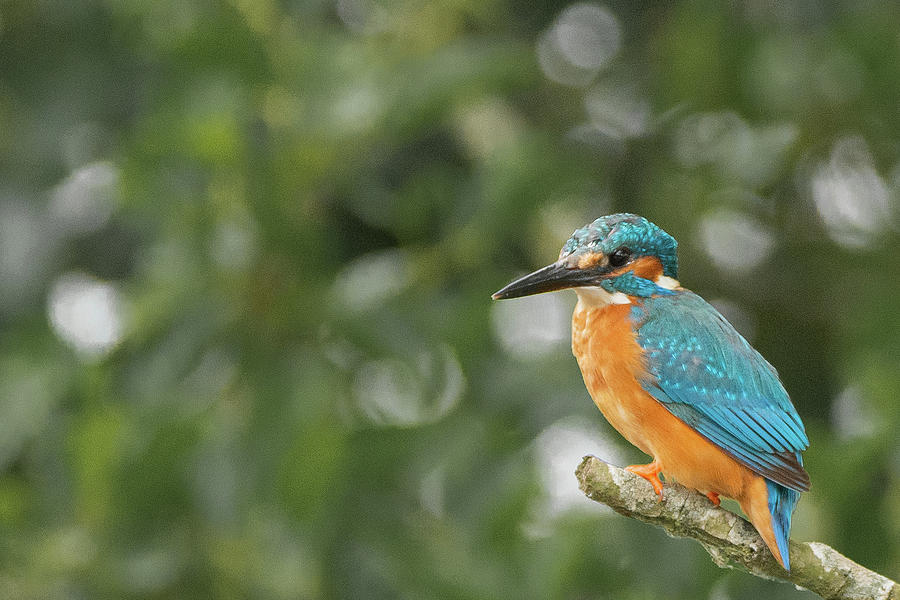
(246, 252)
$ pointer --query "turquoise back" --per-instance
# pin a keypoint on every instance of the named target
(708, 375)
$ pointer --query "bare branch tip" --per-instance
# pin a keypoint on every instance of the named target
(729, 539)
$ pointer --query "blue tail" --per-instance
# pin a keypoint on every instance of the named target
(782, 501)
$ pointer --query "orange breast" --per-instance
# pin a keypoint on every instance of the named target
(610, 359)
(612, 365)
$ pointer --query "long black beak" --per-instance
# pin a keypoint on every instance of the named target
(558, 276)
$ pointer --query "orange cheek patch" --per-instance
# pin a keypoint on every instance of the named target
(647, 267)
(590, 259)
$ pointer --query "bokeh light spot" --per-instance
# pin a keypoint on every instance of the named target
(85, 201)
(86, 313)
(558, 448)
(851, 197)
(358, 108)
(233, 245)
(617, 110)
(850, 416)
(588, 35)
(582, 40)
(534, 326)
(371, 279)
(750, 154)
(394, 392)
(735, 241)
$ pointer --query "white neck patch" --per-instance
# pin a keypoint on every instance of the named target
(668, 283)
(597, 296)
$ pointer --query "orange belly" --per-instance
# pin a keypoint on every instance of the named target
(611, 361)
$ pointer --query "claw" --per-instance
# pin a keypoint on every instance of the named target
(714, 498)
(650, 473)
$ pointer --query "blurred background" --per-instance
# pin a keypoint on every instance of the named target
(247, 347)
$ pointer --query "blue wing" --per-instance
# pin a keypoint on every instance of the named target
(706, 374)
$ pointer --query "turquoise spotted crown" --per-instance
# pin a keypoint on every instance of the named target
(642, 237)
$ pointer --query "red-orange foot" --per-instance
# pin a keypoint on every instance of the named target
(714, 498)
(650, 473)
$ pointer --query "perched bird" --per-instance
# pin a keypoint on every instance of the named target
(674, 377)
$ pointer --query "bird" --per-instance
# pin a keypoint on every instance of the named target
(674, 377)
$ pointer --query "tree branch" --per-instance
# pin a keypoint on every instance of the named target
(730, 540)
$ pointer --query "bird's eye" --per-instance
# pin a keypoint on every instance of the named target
(619, 256)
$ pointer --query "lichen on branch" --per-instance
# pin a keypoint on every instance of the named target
(729, 539)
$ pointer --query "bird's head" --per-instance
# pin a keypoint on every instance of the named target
(607, 261)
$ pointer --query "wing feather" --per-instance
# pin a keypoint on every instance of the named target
(706, 374)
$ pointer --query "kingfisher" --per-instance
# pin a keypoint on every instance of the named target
(674, 377)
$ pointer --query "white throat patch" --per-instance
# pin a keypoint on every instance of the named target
(597, 296)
